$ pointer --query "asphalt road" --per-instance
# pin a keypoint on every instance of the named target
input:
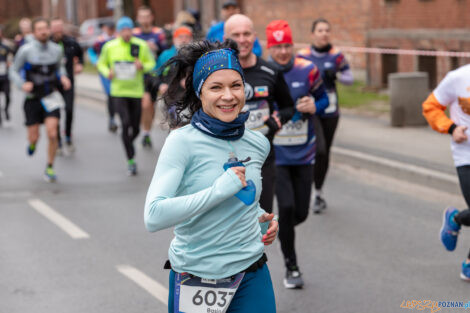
(376, 246)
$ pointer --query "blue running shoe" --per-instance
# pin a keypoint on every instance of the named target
(31, 148)
(450, 229)
(465, 274)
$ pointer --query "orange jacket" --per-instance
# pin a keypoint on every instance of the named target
(434, 113)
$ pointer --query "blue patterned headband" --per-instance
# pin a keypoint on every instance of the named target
(209, 62)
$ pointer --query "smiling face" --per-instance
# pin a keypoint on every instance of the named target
(282, 53)
(223, 95)
(240, 29)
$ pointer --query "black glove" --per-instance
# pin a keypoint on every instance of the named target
(272, 125)
(330, 75)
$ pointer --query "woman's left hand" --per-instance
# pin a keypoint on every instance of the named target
(273, 228)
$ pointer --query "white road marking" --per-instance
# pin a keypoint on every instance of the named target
(59, 220)
(397, 165)
(145, 282)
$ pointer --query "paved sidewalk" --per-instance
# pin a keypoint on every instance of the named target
(416, 154)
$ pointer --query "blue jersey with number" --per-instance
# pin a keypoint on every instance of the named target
(331, 60)
(295, 142)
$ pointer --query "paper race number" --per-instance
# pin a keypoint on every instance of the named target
(333, 102)
(125, 70)
(52, 102)
(196, 295)
(292, 134)
(258, 113)
(203, 299)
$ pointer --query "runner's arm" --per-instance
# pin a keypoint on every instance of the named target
(162, 208)
(14, 71)
(434, 113)
(148, 60)
(318, 90)
(92, 56)
(78, 52)
(435, 105)
(61, 65)
(283, 99)
(345, 76)
(103, 63)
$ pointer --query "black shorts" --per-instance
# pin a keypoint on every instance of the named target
(150, 87)
(35, 113)
(4, 85)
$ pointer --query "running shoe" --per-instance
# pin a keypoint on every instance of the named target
(49, 175)
(30, 149)
(146, 141)
(131, 168)
(69, 147)
(450, 229)
(293, 278)
(112, 126)
(319, 205)
(465, 274)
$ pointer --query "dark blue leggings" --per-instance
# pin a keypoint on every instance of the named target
(255, 294)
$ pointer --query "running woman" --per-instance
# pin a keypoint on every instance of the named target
(207, 185)
(108, 33)
(124, 61)
(5, 54)
(73, 55)
(41, 60)
(264, 86)
(453, 92)
(156, 40)
(295, 143)
(333, 66)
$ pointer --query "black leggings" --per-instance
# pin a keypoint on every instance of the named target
(129, 110)
(268, 172)
(324, 130)
(111, 110)
(293, 189)
(69, 98)
(5, 88)
(463, 217)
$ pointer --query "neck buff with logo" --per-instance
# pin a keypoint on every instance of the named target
(219, 129)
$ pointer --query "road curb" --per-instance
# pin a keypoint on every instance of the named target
(400, 170)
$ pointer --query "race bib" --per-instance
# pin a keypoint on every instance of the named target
(333, 102)
(52, 102)
(199, 295)
(258, 112)
(125, 70)
(3, 68)
(292, 134)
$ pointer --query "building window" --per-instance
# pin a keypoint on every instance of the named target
(389, 66)
(428, 64)
(454, 63)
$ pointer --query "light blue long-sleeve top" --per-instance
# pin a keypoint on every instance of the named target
(216, 235)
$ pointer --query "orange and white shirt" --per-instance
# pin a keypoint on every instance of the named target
(453, 92)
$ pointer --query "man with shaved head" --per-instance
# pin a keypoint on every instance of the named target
(267, 96)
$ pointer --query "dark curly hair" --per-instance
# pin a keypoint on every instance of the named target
(180, 105)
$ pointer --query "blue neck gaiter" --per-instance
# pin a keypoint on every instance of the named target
(218, 129)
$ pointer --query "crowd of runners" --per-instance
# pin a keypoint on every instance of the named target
(243, 130)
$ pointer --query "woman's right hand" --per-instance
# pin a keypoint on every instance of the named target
(240, 172)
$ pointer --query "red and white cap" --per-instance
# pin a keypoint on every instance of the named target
(278, 32)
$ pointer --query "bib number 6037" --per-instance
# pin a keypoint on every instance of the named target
(210, 298)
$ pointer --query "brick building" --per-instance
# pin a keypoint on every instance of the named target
(435, 25)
